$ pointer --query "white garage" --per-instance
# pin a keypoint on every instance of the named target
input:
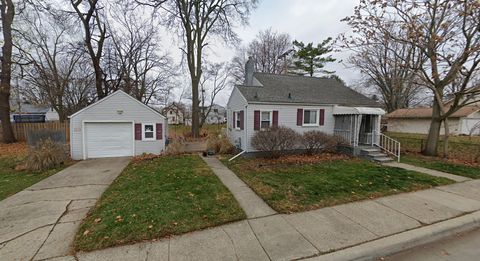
(116, 126)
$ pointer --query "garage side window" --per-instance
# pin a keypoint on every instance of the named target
(148, 132)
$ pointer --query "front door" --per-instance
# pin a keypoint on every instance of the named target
(366, 129)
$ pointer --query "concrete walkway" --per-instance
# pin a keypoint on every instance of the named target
(40, 222)
(315, 233)
(252, 204)
(430, 172)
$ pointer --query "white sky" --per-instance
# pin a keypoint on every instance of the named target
(303, 20)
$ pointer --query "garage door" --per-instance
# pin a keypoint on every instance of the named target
(108, 139)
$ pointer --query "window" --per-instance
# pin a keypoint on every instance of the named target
(148, 132)
(237, 120)
(310, 117)
(265, 119)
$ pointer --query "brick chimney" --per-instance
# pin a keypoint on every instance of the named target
(249, 69)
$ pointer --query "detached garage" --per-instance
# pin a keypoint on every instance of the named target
(116, 126)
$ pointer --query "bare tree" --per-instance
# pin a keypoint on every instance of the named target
(447, 36)
(214, 80)
(7, 13)
(198, 22)
(134, 62)
(386, 65)
(55, 69)
(95, 34)
(267, 49)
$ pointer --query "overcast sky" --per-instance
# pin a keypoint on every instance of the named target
(303, 20)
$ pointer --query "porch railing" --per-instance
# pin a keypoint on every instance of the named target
(344, 135)
(388, 145)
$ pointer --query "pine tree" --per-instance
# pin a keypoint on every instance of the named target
(310, 60)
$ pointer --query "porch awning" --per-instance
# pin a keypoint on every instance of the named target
(344, 110)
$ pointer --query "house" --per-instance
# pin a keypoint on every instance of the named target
(115, 126)
(175, 113)
(217, 114)
(303, 104)
(465, 121)
(23, 111)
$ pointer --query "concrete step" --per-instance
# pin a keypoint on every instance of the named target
(383, 159)
(370, 151)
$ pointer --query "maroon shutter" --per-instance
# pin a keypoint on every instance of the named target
(322, 117)
(256, 120)
(241, 120)
(299, 117)
(275, 119)
(234, 120)
(159, 131)
(138, 131)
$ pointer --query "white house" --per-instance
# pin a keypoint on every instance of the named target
(217, 115)
(465, 121)
(175, 113)
(303, 104)
(115, 126)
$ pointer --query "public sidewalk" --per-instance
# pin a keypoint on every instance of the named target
(384, 223)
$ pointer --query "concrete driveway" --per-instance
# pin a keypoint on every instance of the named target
(40, 222)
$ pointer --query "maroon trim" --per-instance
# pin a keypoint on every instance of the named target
(159, 130)
(299, 117)
(138, 131)
(234, 120)
(322, 117)
(275, 119)
(256, 120)
(241, 120)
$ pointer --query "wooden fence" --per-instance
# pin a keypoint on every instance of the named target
(20, 130)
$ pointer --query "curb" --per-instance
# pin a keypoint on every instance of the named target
(403, 241)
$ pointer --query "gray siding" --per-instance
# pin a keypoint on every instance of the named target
(107, 110)
(287, 116)
(236, 103)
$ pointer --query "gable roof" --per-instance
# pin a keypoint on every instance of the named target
(419, 113)
(302, 89)
(119, 92)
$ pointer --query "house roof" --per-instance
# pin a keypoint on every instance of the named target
(302, 89)
(418, 113)
(119, 92)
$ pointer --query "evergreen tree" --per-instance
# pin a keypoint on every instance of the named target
(309, 59)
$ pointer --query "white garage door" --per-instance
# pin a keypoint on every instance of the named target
(108, 139)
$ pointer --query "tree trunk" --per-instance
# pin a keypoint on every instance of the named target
(446, 137)
(7, 14)
(434, 132)
(195, 109)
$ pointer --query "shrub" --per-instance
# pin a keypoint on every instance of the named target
(175, 147)
(46, 154)
(275, 140)
(317, 141)
(220, 143)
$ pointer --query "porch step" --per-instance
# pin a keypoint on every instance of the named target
(375, 154)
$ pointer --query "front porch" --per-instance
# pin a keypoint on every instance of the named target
(359, 129)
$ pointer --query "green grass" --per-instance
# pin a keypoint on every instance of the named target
(442, 165)
(291, 188)
(157, 198)
(13, 181)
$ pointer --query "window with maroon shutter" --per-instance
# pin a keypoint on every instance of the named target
(299, 117)
(322, 117)
(234, 113)
(242, 120)
(256, 120)
(159, 130)
(138, 131)
(275, 119)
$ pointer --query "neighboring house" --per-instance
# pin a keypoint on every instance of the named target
(303, 104)
(115, 126)
(417, 120)
(217, 115)
(28, 112)
(175, 113)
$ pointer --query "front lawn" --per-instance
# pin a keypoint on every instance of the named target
(157, 198)
(13, 181)
(439, 164)
(288, 186)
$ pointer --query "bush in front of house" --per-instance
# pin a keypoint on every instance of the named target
(46, 154)
(316, 141)
(220, 143)
(275, 140)
(175, 147)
